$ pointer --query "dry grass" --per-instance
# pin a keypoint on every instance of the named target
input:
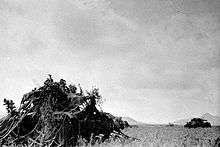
(165, 136)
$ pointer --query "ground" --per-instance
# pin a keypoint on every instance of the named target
(175, 136)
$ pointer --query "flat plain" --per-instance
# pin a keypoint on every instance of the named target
(167, 136)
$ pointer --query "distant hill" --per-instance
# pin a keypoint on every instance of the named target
(214, 120)
(182, 121)
(2, 117)
(130, 121)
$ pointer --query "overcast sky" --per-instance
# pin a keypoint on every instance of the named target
(153, 60)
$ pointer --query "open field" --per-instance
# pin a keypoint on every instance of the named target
(166, 136)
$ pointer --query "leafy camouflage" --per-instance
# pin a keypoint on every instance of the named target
(58, 115)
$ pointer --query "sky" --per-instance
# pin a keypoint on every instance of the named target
(156, 61)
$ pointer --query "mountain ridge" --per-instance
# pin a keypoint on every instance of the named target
(214, 120)
(130, 120)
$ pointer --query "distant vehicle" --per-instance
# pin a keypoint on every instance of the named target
(197, 122)
(170, 125)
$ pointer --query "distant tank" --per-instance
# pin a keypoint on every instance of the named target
(197, 122)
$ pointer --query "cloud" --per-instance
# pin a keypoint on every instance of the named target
(146, 53)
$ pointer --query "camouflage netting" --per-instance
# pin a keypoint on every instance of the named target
(58, 115)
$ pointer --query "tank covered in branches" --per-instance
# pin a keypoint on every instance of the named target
(197, 122)
(58, 115)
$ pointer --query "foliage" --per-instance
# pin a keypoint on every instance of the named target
(58, 115)
(10, 106)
